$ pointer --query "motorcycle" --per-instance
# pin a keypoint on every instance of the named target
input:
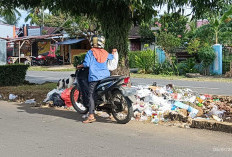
(112, 95)
(45, 59)
(40, 60)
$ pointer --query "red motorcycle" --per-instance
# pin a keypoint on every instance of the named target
(47, 58)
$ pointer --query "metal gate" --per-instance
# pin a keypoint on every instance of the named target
(226, 58)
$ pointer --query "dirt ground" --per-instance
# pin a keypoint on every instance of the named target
(27, 91)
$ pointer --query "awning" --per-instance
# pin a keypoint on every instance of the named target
(70, 41)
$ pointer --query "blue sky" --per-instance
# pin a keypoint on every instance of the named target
(23, 16)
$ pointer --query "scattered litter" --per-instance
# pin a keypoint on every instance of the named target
(85, 116)
(30, 101)
(12, 97)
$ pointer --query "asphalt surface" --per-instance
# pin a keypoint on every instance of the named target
(202, 87)
(45, 132)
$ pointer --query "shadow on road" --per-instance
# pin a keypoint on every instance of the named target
(50, 111)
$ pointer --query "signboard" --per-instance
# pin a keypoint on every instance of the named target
(34, 32)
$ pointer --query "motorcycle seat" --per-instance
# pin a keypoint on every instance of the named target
(111, 78)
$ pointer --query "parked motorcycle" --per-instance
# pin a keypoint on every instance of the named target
(44, 59)
(40, 60)
(112, 95)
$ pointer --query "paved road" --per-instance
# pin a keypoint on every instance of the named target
(207, 87)
(45, 132)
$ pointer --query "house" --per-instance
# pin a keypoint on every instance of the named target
(71, 47)
(135, 42)
(7, 31)
(200, 23)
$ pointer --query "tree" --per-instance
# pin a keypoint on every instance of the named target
(174, 23)
(218, 30)
(9, 16)
(218, 23)
(73, 25)
(115, 16)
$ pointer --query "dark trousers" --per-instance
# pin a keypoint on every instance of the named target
(92, 87)
(84, 84)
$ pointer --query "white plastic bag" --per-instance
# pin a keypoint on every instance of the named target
(113, 64)
(30, 101)
(12, 97)
(51, 92)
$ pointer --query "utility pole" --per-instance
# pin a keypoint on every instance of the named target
(43, 16)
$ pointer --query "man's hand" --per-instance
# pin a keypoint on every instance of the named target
(80, 66)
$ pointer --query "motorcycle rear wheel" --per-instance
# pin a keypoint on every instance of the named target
(122, 109)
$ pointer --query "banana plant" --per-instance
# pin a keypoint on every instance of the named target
(217, 23)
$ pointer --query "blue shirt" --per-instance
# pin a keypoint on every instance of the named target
(97, 71)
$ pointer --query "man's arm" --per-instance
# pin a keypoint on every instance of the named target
(86, 61)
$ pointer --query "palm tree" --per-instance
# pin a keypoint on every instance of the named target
(10, 16)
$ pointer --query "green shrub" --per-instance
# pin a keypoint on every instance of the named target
(14, 74)
(145, 61)
(164, 68)
(132, 54)
(206, 55)
(187, 66)
(78, 59)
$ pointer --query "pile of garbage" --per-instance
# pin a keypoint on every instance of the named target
(162, 104)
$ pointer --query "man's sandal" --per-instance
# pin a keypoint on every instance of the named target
(89, 120)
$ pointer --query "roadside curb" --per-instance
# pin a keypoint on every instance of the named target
(212, 125)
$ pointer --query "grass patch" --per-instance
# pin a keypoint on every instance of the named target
(24, 92)
(43, 68)
(166, 77)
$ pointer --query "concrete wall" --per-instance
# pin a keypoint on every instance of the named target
(6, 30)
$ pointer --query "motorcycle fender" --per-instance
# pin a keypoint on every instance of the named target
(129, 92)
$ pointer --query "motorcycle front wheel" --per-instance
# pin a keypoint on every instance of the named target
(122, 109)
(77, 102)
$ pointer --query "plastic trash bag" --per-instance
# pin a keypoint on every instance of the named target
(12, 97)
(48, 98)
(193, 111)
(216, 112)
(113, 64)
(143, 93)
(57, 101)
(30, 101)
(65, 95)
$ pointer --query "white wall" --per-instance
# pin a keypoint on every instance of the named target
(2, 52)
(6, 30)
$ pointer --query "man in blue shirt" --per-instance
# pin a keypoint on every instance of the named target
(96, 61)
